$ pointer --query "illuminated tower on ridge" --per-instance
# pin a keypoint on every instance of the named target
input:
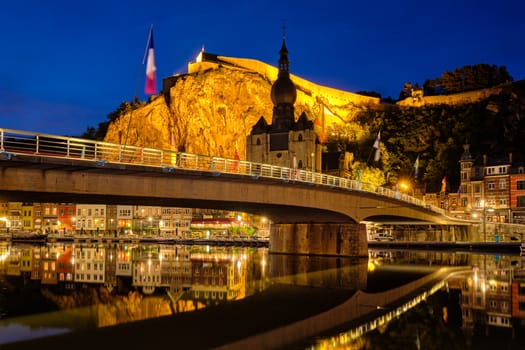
(285, 142)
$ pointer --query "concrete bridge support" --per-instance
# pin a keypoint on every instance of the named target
(319, 271)
(319, 239)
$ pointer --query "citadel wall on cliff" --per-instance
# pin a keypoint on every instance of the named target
(211, 109)
(455, 99)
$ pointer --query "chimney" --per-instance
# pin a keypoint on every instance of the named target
(484, 160)
(510, 157)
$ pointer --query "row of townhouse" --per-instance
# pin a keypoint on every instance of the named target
(69, 218)
(490, 188)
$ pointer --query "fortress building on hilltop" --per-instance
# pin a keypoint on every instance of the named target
(285, 142)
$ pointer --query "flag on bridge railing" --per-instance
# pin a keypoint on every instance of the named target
(377, 144)
(151, 70)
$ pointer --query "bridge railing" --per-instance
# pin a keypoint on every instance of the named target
(14, 142)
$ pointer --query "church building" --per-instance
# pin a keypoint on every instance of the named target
(286, 142)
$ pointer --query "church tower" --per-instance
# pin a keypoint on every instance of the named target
(285, 142)
(283, 94)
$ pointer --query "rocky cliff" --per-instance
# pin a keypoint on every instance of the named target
(211, 109)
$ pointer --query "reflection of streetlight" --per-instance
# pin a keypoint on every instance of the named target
(484, 213)
(7, 223)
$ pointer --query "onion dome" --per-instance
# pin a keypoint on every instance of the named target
(283, 89)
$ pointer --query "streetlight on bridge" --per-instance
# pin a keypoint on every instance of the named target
(406, 187)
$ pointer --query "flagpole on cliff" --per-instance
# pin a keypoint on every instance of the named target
(148, 54)
(377, 147)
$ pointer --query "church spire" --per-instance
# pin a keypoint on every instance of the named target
(284, 63)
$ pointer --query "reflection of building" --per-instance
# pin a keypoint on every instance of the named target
(48, 258)
(65, 266)
(491, 296)
(123, 261)
(175, 268)
(13, 262)
(146, 268)
(110, 273)
(90, 264)
(518, 295)
(218, 276)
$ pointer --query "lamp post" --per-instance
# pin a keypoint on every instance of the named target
(407, 188)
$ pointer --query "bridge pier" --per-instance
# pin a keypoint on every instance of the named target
(319, 239)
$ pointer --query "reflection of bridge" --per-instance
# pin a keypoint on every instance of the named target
(384, 307)
(47, 168)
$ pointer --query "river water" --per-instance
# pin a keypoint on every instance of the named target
(71, 287)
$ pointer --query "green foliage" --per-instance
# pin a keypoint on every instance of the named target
(494, 126)
(467, 78)
(100, 133)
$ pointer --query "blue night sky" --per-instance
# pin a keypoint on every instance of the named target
(65, 65)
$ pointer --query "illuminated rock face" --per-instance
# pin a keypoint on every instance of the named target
(212, 109)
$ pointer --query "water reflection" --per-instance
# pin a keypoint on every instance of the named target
(59, 287)
(482, 307)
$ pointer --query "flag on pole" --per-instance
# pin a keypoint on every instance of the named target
(377, 143)
(444, 184)
(151, 70)
(416, 167)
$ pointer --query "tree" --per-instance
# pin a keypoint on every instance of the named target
(100, 133)
(467, 78)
